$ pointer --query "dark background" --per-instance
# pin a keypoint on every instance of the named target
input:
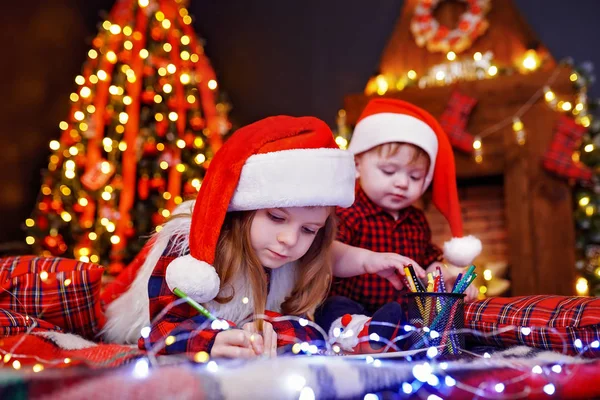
(271, 56)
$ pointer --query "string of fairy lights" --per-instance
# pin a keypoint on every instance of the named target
(429, 371)
(481, 66)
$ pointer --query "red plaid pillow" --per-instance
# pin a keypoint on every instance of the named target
(60, 291)
(560, 323)
(12, 323)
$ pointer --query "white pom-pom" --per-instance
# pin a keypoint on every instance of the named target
(196, 278)
(462, 251)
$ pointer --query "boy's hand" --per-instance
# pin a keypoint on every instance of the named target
(388, 265)
(472, 292)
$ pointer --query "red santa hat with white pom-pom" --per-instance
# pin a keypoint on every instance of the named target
(389, 120)
(276, 162)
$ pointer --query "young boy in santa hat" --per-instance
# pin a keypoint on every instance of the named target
(399, 149)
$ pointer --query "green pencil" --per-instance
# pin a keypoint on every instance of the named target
(197, 306)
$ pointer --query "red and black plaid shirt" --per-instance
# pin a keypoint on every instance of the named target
(191, 330)
(368, 226)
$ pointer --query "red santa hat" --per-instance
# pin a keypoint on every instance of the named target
(389, 120)
(276, 162)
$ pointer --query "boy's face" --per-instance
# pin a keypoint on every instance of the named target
(394, 182)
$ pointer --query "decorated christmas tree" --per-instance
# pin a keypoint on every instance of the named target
(587, 197)
(145, 121)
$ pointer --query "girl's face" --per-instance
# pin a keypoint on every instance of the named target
(282, 235)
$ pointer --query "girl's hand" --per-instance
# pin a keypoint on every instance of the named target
(269, 337)
(237, 343)
(387, 265)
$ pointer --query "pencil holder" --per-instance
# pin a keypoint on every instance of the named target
(438, 318)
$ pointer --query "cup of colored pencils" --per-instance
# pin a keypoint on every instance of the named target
(437, 314)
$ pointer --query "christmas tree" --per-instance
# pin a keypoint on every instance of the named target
(144, 124)
(587, 196)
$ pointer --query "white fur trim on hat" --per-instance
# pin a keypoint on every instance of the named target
(296, 178)
(381, 128)
(348, 338)
(129, 313)
(197, 279)
(462, 251)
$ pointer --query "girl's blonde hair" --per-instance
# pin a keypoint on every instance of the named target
(235, 258)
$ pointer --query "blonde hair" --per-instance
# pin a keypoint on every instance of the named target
(235, 257)
(387, 150)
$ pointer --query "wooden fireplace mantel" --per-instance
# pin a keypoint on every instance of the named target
(538, 206)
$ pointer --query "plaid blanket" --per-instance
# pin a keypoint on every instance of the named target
(49, 349)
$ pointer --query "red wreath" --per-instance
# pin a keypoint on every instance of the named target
(439, 38)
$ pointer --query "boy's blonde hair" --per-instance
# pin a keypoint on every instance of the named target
(387, 150)
(235, 258)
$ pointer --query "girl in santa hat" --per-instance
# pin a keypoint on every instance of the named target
(257, 240)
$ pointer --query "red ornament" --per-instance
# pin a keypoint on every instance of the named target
(56, 205)
(158, 183)
(108, 115)
(148, 70)
(161, 127)
(150, 149)
(78, 208)
(189, 139)
(129, 232)
(125, 56)
(148, 96)
(55, 244)
(42, 223)
(80, 160)
(97, 176)
(144, 187)
(156, 33)
(98, 42)
(197, 123)
(68, 140)
(43, 206)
